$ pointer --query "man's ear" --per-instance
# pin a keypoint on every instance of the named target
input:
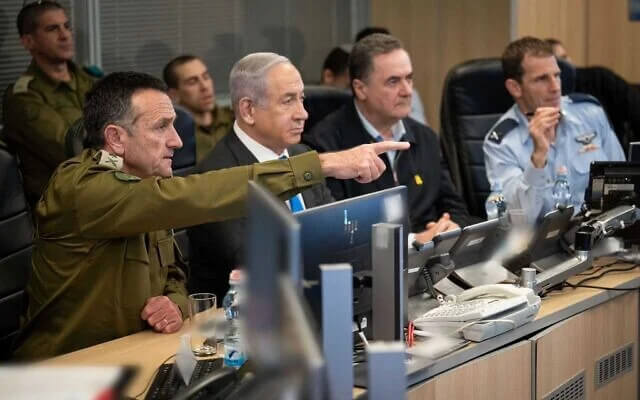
(327, 77)
(27, 41)
(514, 88)
(114, 139)
(174, 95)
(246, 111)
(359, 89)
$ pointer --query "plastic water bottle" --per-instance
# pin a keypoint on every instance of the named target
(234, 354)
(561, 190)
(495, 204)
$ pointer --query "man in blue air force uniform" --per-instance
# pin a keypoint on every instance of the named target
(544, 133)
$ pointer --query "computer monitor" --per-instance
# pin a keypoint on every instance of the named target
(475, 254)
(340, 232)
(612, 183)
(280, 331)
(545, 247)
(634, 152)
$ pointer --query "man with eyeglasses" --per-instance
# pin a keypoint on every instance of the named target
(47, 99)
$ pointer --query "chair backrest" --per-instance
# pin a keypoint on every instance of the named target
(474, 97)
(184, 159)
(16, 239)
(320, 101)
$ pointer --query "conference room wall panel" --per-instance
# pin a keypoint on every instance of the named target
(440, 34)
(565, 20)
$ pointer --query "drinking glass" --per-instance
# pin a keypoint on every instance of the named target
(202, 309)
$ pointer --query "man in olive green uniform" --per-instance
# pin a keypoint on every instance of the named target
(105, 263)
(43, 103)
(191, 86)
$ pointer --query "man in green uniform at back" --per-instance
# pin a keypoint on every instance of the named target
(43, 103)
(105, 264)
(191, 86)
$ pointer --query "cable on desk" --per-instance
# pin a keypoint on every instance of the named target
(634, 266)
(153, 376)
(571, 285)
(598, 268)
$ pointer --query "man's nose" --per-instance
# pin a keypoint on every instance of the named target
(65, 33)
(174, 142)
(301, 113)
(406, 87)
(556, 84)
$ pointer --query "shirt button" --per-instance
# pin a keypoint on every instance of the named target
(308, 176)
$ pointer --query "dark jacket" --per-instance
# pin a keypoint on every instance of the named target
(420, 168)
(217, 248)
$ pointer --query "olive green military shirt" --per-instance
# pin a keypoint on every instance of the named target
(104, 245)
(37, 111)
(208, 137)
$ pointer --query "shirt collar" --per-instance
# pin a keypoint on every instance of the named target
(35, 69)
(262, 153)
(397, 130)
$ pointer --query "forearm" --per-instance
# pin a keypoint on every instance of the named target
(127, 208)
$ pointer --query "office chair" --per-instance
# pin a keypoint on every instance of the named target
(473, 98)
(16, 239)
(320, 101)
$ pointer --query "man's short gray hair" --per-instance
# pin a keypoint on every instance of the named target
(248, 76)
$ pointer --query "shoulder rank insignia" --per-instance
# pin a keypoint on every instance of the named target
(22, 84)
(501, 130)
(109, 160)
(123, 176)
(586, 138)
(582, 98)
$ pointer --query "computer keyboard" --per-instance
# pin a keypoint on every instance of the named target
(168, 381)
(471, 310)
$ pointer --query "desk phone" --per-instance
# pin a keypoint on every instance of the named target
(482, 312)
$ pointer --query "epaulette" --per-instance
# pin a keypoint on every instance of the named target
(22, 84)
(501, 130)
(583, 97)
(94, 71)
(106, 159)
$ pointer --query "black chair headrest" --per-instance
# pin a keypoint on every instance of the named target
(321, 101)
(478, 86)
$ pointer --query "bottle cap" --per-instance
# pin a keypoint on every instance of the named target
(561, 170)
(237, 275)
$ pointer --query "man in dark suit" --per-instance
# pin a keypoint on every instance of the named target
(267, 93)
(382, 85)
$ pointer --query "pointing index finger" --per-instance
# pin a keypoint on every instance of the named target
(381, 147)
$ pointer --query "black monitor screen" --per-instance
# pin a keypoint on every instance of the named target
(340, 232)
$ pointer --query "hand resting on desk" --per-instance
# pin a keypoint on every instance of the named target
(444, 224)
(162, 314)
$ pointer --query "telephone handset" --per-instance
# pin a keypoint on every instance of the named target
(483, 312)
(503, 291)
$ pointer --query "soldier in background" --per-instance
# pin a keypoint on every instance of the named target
(47, 99)
(192, 87)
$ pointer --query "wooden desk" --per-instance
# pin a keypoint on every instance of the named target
(148, 349)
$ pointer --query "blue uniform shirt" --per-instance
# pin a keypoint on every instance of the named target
(583, 135)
